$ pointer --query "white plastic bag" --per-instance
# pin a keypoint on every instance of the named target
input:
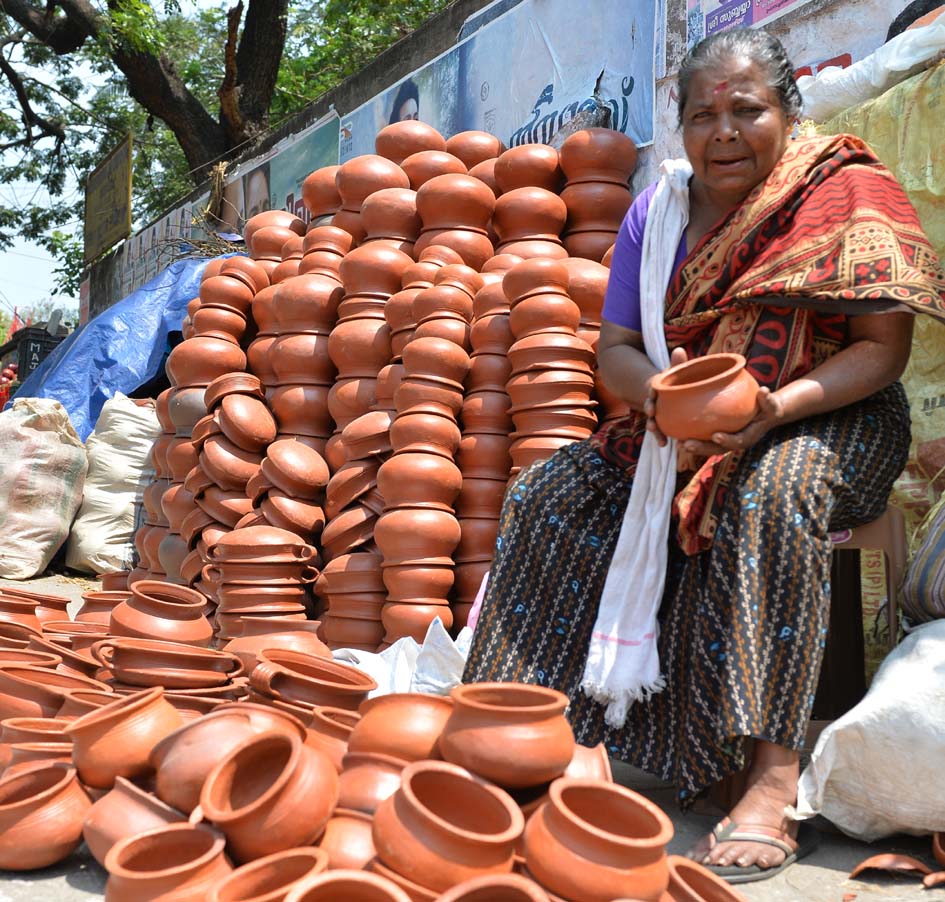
(877, 770)
(42, 471)
(102, 536)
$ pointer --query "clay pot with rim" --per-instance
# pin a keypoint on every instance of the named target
(367, 778)
(705, 395)
(359, 572)
(320, 193)
(76, 702)
(323, 249)
(474, 246)
(429, 394)
(226, 293)
(251, 543)
(491, 334)
(199, 360)
(350, 530)
(478, 541)
(444, 825)
(361, 176)
(496, 888)
(488, 371)
(158, 610)
(26, 756)
(36, 692)
(430, 433)
(405, 725)
(19, 610)
(348, 398)
(595, 207)
(247, 422)
(260, 633)
(301, 410)
(225, 506)
(116, 739)
(485, 455)
(513, 734)
(97, 605)
(360, 347)
(352, 480)
(307, 303)
(304, 679)
(487, 411)
(271, 218)
(528, 214)
(598, 155)
(411, 534)
(589, 244)
(485, 172)
(454, 201)
(268, 794)
(301, 358)
(413, 618)
(330, 730)
(272, 878)
(689, 881)
(435, 357)
(528, 165)
(179, 862)
(391, 215)
(125, 810)
(41, 815)
(399, 140)
(598, 841)
(16, 730)
(534, 388)
(419, 480)
(474, 147)
(417, 581)
(347, 840)
(427, 164)
(149, 662)
(540, 313)
(268, 242)
(343, 885)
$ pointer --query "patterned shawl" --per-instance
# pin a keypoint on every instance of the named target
(829, 233)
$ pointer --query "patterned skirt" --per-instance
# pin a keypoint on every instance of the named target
(742, 625)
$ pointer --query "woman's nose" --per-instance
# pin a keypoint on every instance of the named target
(725, 128)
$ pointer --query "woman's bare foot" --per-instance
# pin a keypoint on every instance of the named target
(772, 786)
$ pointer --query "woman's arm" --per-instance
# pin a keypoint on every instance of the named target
(875, 357)
(625, 368)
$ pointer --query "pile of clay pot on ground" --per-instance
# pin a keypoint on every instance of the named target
(125, 729)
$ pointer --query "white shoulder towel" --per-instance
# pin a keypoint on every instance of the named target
(622, 661)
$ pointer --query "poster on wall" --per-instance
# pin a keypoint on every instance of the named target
(301, 155)
(709, 16)
(565, 63)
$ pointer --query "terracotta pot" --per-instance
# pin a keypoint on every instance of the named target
(413, 618)
(419, 480)
(268, 242)
(259, 633)
(237, 599)
(251, 543)
(41, 814)
(268, 794)
(535, 387)
(445, 327)
(301, 410)
(19, 610)
(595, 206)
(347, 840)
(97, 606)
(598, 154)
(435, 357)
(566, 418)
(160, 408)
(225, 506)
(473, 245)
(429, 394)
(418, 582)
(27, 756)
(705, 395)
(125, 811)
(391, 214)
(247, 422)
(478, 541)
(443, 826)
(399, 140)
(388, 379)
(351, 573)
(491, 334)
(496, 888)
(272, 878)
(226, 293)
(535, 448)
(415, 892)
(231, 383)
(307, 303)
(488, 372)
(263, 314)
(529, 214)
(414, 534)
(453, 201)
(689, 881)
(367, 779)
(350, 530)
(353, 632)
(528, 165)
(363, 175)
(485, 172)
(405, 725)
(372, 272)
(360, 347)
(484, 455)
(487, 412)
(199, 360)
(342, 885)
(427, 164)
(429, 433)
(76, 702)
(228, 465)
(319, 192)
(270, 218)
(158, 610)
(30, 658)
(598, 841)
(544, 313)
(591, 245)
(551, 351)
(116, 739)
(349, 398)
(329, 731)
(177, 863)
(16, 730)
(513, 734)
(295, 677)
(146, 662)
(531, 277)
(474, 147)
(352, 480)
(35, 692)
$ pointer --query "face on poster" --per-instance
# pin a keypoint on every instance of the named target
(292, 164)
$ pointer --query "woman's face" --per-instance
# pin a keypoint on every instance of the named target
(408, 110)
(734, 129)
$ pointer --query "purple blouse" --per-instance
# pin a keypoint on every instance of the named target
(622, 301)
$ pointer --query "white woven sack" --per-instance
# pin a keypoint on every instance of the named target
(102, 537)
(42, 472)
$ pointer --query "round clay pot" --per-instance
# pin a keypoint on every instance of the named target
(361, 176)
(429, 394)
(413, 618)
(270, 218)
(347, 840)
(307, 303)
(225, 506)
(406, 725)
(474, 147)
(535, 387)
(171, 553)
(533, 277)
(595, 207)
(329, 732)
(351, 573)
(485, 172)
(478, 540)
(301, 410)
(435, 357)
(74, 703)
(30, 658)
(353, 632)
(551, 351)
(430, 433)
(268, 242)
(116, 739)
(18, 610)
(491, 334)
(97, 606)
(199, 360)
(598, 155)
(268, 794)
(26, 756)
(320, 193)
(427, 164)
(528, 214)
(373, 271)
(473, 245)
(15, 730)
(41, 814)
(259, 633)
(705, 395)
(487, 411)
(454, 201)
(513, 734)
(228, 465)
(391, 214)
(247, 422)
(272, 878)
(349, 398)
(496, 888)
(528, 165)
(367, 779)
(484, 455)
(553, 418)
(414, 534)
(598, 841)
(351, 481)
(360, 347)
(535, 448)
(349, 530)
(160, 408)
(540, 313)
(689, 881)
(443, 826)
(488, 372)
(418, 582)
(251, 543)
(301, 358)
(158, 610)
(343, 885)
(419, 480)
(27, 691)
(304, 679)
(227, 293)
(368, 435)
(349, 221)
(179, 862)
(125, 810)
(148, 662)
(399, 140)
(590, 245)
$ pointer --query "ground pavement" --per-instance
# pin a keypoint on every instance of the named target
(822, 877)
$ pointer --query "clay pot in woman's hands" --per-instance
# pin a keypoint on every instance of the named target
(272, 878)
(705, 395)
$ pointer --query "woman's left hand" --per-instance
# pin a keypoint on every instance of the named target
(770, 414)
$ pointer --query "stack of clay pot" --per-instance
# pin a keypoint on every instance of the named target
(320, 195)
(291, 255)
(355, 181)
(266, 234)
(598, 163)
(552, 369)
(148, 536)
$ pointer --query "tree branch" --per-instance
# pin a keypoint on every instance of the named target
(259, 57)
(61, 34)
(230, 113)
(47, 128)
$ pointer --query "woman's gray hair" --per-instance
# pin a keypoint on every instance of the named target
(755, 44)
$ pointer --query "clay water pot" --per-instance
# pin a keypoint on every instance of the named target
(36, 692)
(260, 633)
(351, 573)
(160, 408)
(414, 534)
(513, 734)
(272, 878)
(413, 618)
(76, 702)
(349, 398)
(406, 725)
(487, 412)
(391, 214)
(353, 632)
(427, 164)
(445, 327)
(429, 394)
(199, 360)
(529, 214)
(491, 334)
(349, 221)
(363, 175)
(342, 885)
(473, 245)
(30, 658)
(176, 863)
(26, 756)
(551, 351)
(308, 680)
(351, 529)
(158, 610)
(15, 730)
(591, 245)
(373, 271)
(536, 448)
(367, 779)
(596, 207)
(320, 193)
(148, 662)
(474, 147)
(535, 277)
(496, 888)
(351, 481)
(301, 410)
(271, 218)
(454, 201)
(429, 433)
(329, 731)
(301, 358)
(41, 814)
(478, 541)
(228, 465)
(181, 458)
(124, 811)
(399, 140)
(247, 422)
(598, 841)
(115, 581)
(435, 357)
(71, 663)
(347, 840)
(307, 303)
(535, 387)
(443, 826)
(226, 293)
(574, 419)
(268, 794)
(268, 243)
(116, 739)
(419, 581)
(254, 542)
(689, 881)
(485, 172)
(420, 480)
(360, 347)
(544, 313)
(227, 506)
(488, 372)
(484, 455)
(19, 610)
(705, 395)
(598, 155)
(528, 165)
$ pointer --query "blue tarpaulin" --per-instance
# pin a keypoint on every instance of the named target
(119, 350)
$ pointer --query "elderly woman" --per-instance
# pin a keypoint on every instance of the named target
(805, 257)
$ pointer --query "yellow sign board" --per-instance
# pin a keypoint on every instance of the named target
(108, 201)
